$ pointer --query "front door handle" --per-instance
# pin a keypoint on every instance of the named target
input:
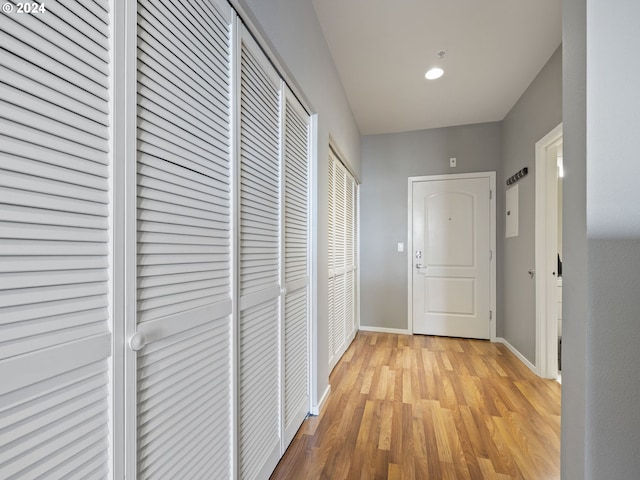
(419, 265)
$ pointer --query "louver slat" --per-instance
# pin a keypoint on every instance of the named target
(184, 240)
(55, 340)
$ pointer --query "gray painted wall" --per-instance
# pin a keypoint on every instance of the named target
(612, 424)
(535, 114)
(388, 161)
(505, 147)
(292, 32)
(574, 265)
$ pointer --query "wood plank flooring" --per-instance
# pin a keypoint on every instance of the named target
(418, 407)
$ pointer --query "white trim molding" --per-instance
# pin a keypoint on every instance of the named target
(316, 409)
(396, 331)
(546, 325)
(515, 351)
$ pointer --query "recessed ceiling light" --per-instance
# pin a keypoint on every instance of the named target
(435, 72)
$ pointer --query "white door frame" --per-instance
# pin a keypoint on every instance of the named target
(546, 283)
(492, 228)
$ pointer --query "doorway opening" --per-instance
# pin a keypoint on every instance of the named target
(548, 255)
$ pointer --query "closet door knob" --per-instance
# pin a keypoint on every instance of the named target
(137, 341)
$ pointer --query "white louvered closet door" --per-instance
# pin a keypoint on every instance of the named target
(55, 340)
(350, 257)
(331, 323)
(259, 382)
(296, 267)
(184, 383)
(342, 244)
(339, 248)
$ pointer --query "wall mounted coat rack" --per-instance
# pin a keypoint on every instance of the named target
(517, 176)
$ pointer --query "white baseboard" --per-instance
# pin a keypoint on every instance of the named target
(521, 357)
(316, 409)
(397, 331)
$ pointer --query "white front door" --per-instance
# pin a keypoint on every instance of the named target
(451, 279)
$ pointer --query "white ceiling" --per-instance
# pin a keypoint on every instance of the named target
(382, 49)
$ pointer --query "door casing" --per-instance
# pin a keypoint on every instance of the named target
(492, 269)
(546, 235)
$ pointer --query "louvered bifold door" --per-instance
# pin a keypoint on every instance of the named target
(337, 272)
(331, 258)
(350, 258)
(259, 421)
(184, 306)
(343, 258)
(55, 340)
(296, 267)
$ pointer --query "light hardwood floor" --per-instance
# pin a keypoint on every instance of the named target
(418, 407)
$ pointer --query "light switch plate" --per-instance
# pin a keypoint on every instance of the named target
(400, 247)
(452, 162)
